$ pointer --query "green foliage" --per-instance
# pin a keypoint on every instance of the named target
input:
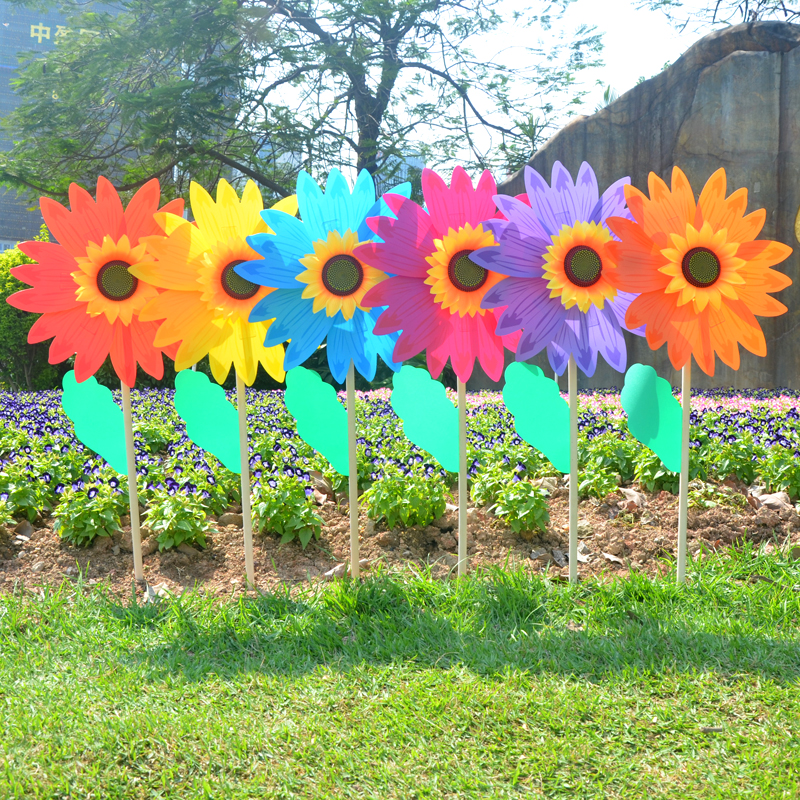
(488, 483)
(608, 451)
(707, 495)
(781, 471)
(522, 506)
(286, 510)
(411, 499)
(80, 518)
(24, 495)
(23, 366)
(597, 481)
(176, 519)
(651, 473)
(156, 434)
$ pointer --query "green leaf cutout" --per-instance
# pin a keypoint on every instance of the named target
(97, 419)
(654, 415)
(430, 420)
(211, 421)
(541, 415)
(321, 418)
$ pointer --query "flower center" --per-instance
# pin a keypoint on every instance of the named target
(465, 274)
(583, 266)
(700, 267)
(114, 281)
(342, 275)
(236, 286)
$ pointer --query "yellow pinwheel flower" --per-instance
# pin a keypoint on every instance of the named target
(206, 305)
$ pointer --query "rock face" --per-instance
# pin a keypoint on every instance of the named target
(732, 100)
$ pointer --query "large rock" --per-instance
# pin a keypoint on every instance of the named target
(732, 100)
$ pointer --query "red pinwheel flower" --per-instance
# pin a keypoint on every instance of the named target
(83, 287)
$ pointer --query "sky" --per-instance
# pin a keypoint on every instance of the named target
(636, 43)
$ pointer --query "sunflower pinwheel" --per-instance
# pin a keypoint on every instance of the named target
(86, 287)
(703, 276)
(435, 292)
(562, 290)
(701, 273)
(206, 304)
(320, 282)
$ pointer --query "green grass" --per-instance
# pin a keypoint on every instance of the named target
(502, 686)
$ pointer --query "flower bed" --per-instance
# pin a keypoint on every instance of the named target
(47, 478)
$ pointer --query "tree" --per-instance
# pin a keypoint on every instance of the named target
(23, 366)
(726, 12)
(263, 88)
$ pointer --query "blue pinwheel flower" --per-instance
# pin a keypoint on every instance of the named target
(319, 283)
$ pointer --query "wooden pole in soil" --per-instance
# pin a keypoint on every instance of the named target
(572, 378)
(247, 520)
(133, 494)
(463, 492)
(683, 498)
(355, 568)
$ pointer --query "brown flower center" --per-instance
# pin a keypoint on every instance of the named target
(115, 282)
(236, 286)
(583, 266)
(464, 274)
(700, 267)
(342, 275)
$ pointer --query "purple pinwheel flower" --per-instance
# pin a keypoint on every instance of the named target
(561, 286)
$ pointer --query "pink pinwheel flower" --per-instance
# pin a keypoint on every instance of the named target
(435, 291)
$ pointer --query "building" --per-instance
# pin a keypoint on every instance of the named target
(22, 30)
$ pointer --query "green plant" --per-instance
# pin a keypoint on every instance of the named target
(157, 435)
(176, 519)
(597, 481)
(82, 516)
(781, 471)
(706, 495)
(651, 473)
(488, 483)
(280, 504)
(411, 499)
(523, 506)
(609, 452)
(24, 495)
(5, 513)
(738, 458)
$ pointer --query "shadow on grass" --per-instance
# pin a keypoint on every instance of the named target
(488, 624)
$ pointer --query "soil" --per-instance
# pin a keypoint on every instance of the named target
(615, 537)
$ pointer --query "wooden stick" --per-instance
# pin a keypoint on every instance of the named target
(247, 520)
(572, 370)
(683, 498)
(355, 568)
(133, 494)
(463, 492)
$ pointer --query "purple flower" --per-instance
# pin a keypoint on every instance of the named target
(560, 290)
(92, 493)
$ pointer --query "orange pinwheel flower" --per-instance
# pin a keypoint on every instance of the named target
(83, 286)
(701, 274)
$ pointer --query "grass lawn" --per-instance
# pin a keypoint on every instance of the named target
(403, 687)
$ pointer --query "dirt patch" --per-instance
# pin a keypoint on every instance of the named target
(615, 537)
